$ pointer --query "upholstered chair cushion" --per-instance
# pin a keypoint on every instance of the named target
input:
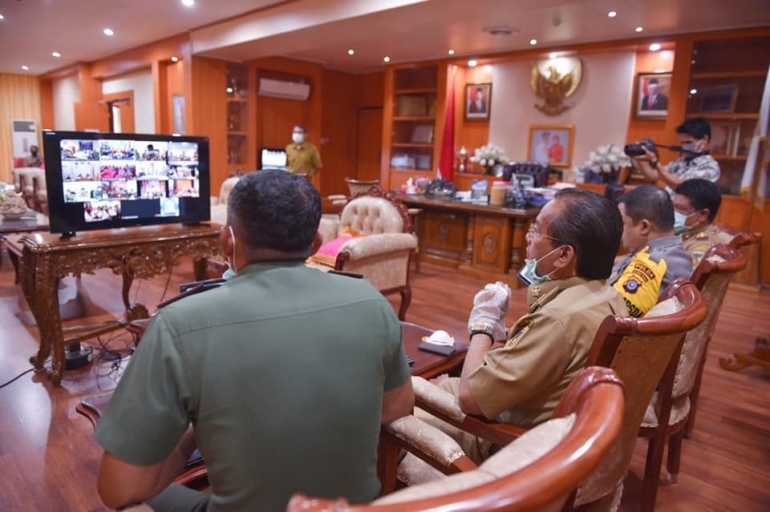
(437, 398)
(372, 215)
(522, 452)
(225, 189)
(24, 179)
(680, 408)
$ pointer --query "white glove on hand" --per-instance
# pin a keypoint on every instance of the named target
(490, 307)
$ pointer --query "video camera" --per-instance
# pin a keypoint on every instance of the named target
(637, 148)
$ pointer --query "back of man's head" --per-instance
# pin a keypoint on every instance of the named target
(275, 209)
(698, 127)
(650, 203)
(702, 194)
(592, 225)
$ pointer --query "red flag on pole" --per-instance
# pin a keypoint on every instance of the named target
(446, 164)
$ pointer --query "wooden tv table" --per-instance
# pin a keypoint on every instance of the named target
(141, 252)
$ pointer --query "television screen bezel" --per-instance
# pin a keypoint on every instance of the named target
(58, 221)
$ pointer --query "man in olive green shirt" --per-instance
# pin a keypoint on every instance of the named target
(696, 204)
(281, 377)
(302, 157)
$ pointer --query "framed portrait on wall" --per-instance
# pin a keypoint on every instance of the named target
(478, 101)
(551, 144)
(651, 95)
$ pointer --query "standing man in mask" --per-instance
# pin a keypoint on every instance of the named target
(695, 162)
(520, 374)
(35, 158)
(302, 157)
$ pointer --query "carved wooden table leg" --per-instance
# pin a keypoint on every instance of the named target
(469, 244)
(518, 245)
(760, 356)
(199, 268)
(42, 292)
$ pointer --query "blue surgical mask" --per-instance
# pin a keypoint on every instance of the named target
(528, 273)
(690, 147)
(679, 223)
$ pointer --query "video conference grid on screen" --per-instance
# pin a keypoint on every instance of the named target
(126, 179)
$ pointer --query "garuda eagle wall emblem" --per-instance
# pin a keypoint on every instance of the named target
(554, 81)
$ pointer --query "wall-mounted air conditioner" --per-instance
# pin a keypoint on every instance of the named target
(283, 89)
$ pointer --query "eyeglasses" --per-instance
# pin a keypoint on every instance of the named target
(532, 232)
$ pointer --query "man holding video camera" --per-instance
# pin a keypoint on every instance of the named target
(695, 162)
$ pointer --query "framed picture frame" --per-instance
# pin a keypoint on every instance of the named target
(178, 104)
(478, 101)
(551, 144)
(651, 93)
(718, 98)
(725, 138)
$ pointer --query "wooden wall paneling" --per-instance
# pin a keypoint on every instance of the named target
(90, 112)
(175, 85)
(210, 114)
(160, 96)
(251, 121)
(369, 143)
(387, 126)
(470, 133)
(372, 89)
(19, 99)
(46, 104)
(127, 124)
(441, 97)
(339, 131)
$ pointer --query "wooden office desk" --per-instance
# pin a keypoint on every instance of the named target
(141, 252)
(487, 242)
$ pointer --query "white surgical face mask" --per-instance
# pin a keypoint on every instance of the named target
(528, 273)
(298, 138)
(231, 272)
(680, 225)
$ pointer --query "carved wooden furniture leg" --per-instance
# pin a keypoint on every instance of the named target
(760, 356)
(45, 308)
(406, 299)
(15, 262)
(199, 268)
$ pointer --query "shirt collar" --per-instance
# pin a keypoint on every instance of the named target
(536, 292)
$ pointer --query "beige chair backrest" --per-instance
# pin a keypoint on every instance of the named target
(24, 179)
(226, 188)
(639, 350)
(375, 212)
(712, 277)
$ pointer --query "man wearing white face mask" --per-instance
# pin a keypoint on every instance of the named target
(302, 156)
(696, 162)
(519, 376)
(696, 204)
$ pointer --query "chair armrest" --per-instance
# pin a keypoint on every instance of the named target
(443, 405)
(375, 245)
(328, 227)
(427, 440)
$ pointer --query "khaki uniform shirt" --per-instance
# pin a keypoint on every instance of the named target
(281, 371)
(698, 242)
(523, 381)
(303, 158)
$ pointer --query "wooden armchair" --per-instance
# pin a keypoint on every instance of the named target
(536, 473)
(30, 183)
(382, 256)
(358, 186)
(640, 351)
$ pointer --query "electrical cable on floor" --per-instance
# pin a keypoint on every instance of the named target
(168, 281)
(22, 374)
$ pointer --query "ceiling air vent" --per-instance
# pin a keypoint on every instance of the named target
(500, 30)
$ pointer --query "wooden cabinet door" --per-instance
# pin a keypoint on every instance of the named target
(492, 244)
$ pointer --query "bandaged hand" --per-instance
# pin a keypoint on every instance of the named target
(490, 307)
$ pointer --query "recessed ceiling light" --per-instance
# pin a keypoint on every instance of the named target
(533, 42)
(109, 32)
(693, 91)
(351, 52)
(552, 55)
(25, 68)
(386, 59)
(229, 90)
(2, 17)
(56, 54)
(639, 29)
(473, 62)
(654, 47)
(188, 3)
(451, 52)
(174, 58)
(612, 14)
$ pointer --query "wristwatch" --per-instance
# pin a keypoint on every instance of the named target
(654, 164)
(482, 328)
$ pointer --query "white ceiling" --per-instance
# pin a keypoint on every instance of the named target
(323, 30)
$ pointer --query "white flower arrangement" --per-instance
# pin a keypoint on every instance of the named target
(489, 155)
(11, 203)
(607, 159)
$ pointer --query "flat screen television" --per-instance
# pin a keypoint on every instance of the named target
(112, 180)
(272, 158)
